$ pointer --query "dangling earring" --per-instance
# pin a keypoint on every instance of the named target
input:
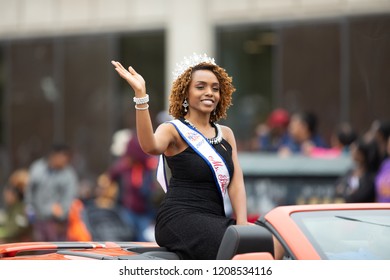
(185, 105)
(215, 112)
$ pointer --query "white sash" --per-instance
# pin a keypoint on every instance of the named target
(205, 150)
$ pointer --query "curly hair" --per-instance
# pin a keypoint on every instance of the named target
(180, 87)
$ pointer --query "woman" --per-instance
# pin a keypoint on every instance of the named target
(15, 226)
(273, 135)
(303, 134)
(201, 155)
(382, 180)
(358, 184)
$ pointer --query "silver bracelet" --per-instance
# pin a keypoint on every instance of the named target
(142, 108)
(141, 100)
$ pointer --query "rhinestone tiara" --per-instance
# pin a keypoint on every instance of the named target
(191, 61)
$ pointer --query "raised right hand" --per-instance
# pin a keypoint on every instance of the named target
(135, 80)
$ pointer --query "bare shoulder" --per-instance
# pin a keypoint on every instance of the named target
(226, 130)
(228, 134)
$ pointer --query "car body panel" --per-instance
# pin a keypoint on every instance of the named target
(71, 250)
(278, 222)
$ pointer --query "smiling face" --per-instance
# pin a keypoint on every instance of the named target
(203, 91)
(182, 85)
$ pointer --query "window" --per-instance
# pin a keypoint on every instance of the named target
(247, 55)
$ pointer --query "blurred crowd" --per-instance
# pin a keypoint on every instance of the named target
(48, 202)
(368, 180)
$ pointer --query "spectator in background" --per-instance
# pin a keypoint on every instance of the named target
(19, 180)
(273, 135)
(134, 173)
(358, 184)
(382, 180)
(303, 134)
(15, 227)
(343, 137)
(119, 142)
(103, 216)
(106, 192)
(49, 194)
(381, 135)
(341, 140)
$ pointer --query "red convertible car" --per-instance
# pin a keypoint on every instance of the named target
(306, 232)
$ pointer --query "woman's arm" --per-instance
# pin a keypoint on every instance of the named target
(236, 188)
(146, 137)
(237, 193)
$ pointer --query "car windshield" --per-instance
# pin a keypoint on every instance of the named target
(347, 234)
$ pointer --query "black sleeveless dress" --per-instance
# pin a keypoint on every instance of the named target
(191, 220)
